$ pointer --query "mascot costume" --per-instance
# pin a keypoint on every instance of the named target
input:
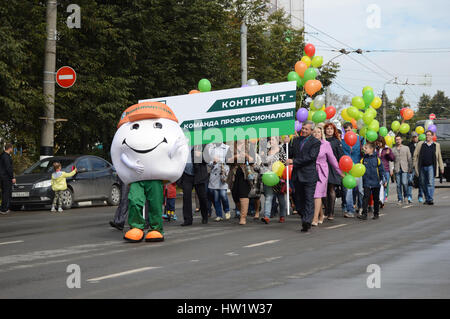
(148, 148)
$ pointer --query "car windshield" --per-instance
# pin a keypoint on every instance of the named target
(46, 166)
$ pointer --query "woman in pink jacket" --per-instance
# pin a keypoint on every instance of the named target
(325, 156)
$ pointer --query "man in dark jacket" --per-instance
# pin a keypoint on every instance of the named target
(304, 152)
(6, 178)
(195, 175)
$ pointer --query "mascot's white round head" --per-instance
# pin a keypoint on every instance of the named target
(149, 144)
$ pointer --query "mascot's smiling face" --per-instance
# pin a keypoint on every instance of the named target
(148, 142)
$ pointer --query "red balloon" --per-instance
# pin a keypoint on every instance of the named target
(401, 111)
(434, 138)
(345, 163)
(310, 50)
(289, 167)
(330, 111)
(350, 138)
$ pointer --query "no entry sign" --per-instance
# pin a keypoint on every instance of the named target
(66, 77)
(432, 116)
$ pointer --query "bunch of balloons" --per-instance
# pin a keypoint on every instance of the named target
(306, 71)
(279, 170)
(352, 171)
(428, 126)
(363, 112)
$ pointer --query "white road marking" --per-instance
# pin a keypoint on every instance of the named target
(408, 206)
(129, 272)
(381, 214)
(263, 243)
(337, 226)
(445, 197)
(231, 254)
(12, 242)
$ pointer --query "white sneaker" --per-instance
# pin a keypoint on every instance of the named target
(53, 209)
(60, 210)
(227, 215)
(218, 219)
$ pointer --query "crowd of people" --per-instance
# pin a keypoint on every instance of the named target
(215, 169)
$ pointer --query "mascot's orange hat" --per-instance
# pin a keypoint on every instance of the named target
(147, 110)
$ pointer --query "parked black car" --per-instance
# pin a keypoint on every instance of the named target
(96, 179)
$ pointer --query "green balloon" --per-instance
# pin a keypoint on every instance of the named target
(371, 111)
(360, 115)
(368, 97)
(422, 137)
(310, 74)
(358, 102)
(358, 170)
(293, 76)
(353, 112)
(374, 126)
(317, 61)
(383, 131)
(319, 116)
(204, 85)
(367, 118)
(371, 136)
(270, 179)
(367, 88)
(363, 131)
(349, 181)
(404, 128)
(395, 126)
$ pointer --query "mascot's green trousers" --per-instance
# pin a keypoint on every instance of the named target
(151, 191)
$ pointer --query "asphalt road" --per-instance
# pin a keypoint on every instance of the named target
(409, 244)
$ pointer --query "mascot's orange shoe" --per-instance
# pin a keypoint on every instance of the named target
(154, 236)
(134, 235)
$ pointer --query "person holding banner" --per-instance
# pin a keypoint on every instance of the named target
(303, 154)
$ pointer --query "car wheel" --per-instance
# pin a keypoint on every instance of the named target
(67, 199)
(114, 196)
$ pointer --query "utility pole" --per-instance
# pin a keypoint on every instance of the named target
(47, 131)
(243, 52)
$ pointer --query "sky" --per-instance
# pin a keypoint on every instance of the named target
(380, 25)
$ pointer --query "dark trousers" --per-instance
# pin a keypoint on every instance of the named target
(375, 191)
(304, 194)
(122, 210)
(200, 189)
(6, 185)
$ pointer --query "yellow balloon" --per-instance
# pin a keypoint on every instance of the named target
(389, 140)
(376, 102)
(345, 116)
(420, 130)
(307, 60)
(311, 106)
(278, 168)
(323, 108)
(310, 115)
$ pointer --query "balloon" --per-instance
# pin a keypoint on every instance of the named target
(278, 168)
(319, 101)
(367, 88)
(194, 91)
(402, 110)
(312, 87)
(345, 162)
(319, 116)
(408, 114)
(300, 68)
(363, 131)
(360, 123)
(354, 125)
(310, 50)
(376, 103)
(349, 182)
(352, 112)
(204, 85)
(420, 130)
(389, 140)
(289, 169)
(383, 131)
(434, 138)
(310, 115)
(252, 82)
(306, 60)
(244, 85)
(432, 128)
(428, 123)
(270, 179)
(298, 126)
(358, 102)
(404, 128)
(345, 115)
(293, 76)
(317, 61)
(371, 136)
(350, 138)
(330, 111)
(374, 126)
(360, 116)
(422, 137)
(311, 105)
(368, 97)
(358, 170)
(372, 112)
(302, 114)
(367, 118)
(395, 126)
(310, 74)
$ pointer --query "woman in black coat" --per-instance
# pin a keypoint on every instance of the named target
(334, 179)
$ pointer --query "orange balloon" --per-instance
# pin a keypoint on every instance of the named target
(194, 91)
(312, 87)
(408, 114)
(353, 121)
(300, 68)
